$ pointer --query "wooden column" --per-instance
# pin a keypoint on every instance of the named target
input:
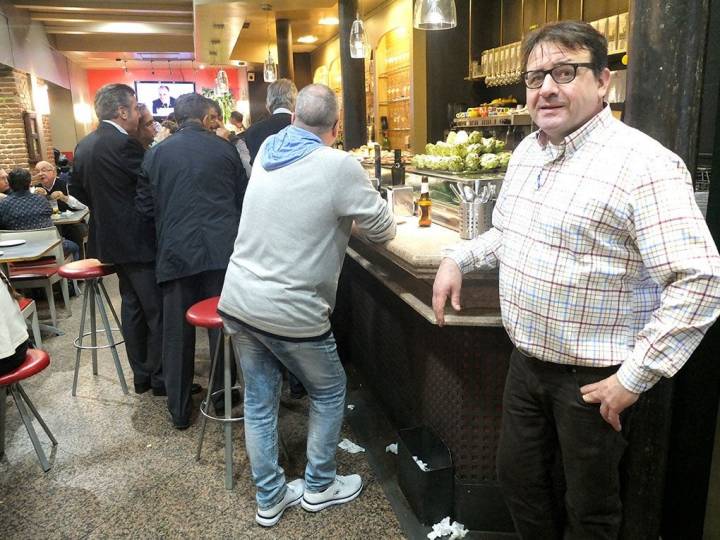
(665, 74)
(283, 31)
(353, 81)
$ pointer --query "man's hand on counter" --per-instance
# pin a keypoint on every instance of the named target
(448, 282)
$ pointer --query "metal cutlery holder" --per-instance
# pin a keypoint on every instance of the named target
(475, 218)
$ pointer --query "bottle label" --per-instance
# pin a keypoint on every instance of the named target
(424, 188)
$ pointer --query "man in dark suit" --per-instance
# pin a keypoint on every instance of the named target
(104, 177)
(164, 101)
(191, 187)
(280, 102)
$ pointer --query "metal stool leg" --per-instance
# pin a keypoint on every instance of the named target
(3, 399)
(113, 348)
(80, 338)
(36, 414)
(206, 403)
(27, 420)
(229, 481)
(112, 308)
(93, 327)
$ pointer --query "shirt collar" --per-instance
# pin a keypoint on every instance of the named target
(119, 128)
(572, 143)
(282, 110)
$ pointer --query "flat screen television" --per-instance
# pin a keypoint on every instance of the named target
(160, 96)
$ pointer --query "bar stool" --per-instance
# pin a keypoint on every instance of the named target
(204, 315)
(35, 361)
(92, 271)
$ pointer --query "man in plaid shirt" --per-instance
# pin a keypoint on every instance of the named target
(609, 279)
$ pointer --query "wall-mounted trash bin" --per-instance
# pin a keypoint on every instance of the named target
(430, 492)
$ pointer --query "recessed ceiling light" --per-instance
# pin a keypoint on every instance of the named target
(329, 21)
(202, 66)
(307, 39)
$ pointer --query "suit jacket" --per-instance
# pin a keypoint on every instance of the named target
(104, 177)
(192, 186)
(158, 104)
(257, 133)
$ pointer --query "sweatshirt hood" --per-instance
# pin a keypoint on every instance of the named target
(288, 146)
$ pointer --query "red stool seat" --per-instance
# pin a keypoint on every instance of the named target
(86, 269)
(35, 361)
(24, 302)
(204, 314)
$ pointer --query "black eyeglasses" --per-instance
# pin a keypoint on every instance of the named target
(561, 74)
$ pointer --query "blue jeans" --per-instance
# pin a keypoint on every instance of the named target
(318, 367)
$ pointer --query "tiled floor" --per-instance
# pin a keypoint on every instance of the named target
(122, 471)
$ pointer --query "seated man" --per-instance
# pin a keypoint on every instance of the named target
(54, 187)
(22, 210)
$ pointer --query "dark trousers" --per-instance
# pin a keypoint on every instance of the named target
(545, 422)
(141, 315)
(179, 339)
(12, 362)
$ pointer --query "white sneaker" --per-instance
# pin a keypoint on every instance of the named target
(342, 490)
(270, 516)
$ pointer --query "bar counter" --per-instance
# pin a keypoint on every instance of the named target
(449, 379)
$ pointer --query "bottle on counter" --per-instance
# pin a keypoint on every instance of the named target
(398, 170)
(424, 204)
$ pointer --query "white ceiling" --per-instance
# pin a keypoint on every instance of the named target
(95, 33)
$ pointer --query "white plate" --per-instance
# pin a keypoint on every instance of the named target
(11, 243)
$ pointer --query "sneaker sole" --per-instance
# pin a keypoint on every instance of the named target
(316, 507)
(270, 521)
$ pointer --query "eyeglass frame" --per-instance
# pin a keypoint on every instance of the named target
(546, 72)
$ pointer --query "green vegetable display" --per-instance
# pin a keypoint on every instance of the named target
(463, 152)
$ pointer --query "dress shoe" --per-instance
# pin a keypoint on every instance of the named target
(161, 391)
(141, 388)
(219, 405)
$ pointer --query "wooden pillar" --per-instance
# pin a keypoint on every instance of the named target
(673, 447)
(283, 31)
(353, 81)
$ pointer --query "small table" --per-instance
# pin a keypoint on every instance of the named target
(70, 217)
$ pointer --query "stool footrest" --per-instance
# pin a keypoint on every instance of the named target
(204, 407)
(98, 347)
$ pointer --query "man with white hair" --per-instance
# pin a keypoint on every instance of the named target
(280, 289)
(280, 103)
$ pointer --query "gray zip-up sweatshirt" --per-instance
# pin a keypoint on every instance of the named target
(294, 230)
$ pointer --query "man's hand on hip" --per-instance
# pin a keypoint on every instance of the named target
(448, 282)
(613, 398)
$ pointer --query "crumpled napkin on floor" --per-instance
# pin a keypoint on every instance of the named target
(421, 463)
(392, 448)
(349, 446)
(456, 530)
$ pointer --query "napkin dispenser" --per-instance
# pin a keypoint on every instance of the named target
(400, 199)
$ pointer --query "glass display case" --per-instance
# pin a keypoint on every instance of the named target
(393, 122)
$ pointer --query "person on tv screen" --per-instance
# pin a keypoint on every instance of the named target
(165, 103)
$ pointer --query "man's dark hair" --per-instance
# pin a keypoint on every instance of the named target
(237, 116)
(190, 107)
(215, 105)
(110, 97)
(163, 86)
(19, 179)
(572, 35)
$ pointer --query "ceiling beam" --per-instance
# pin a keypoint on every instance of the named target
(123, 42)
(85, 17)
(111, 28)
(177, 7)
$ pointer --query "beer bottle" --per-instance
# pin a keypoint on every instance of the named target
(424, 204)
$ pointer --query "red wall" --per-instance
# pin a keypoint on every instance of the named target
(203, 78)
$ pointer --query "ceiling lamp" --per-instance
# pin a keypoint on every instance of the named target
(222, 84)
(434, 14)
(329, 21)
(270, 70)
(307, 39)
(358, 38)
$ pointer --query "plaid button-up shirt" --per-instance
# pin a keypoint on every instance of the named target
(604, 256)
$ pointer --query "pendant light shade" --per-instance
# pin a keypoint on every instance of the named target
(270, 71)
(434, 14)
(358, 39)
(222, 85)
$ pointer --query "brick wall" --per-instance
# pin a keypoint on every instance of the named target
(15, 98)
